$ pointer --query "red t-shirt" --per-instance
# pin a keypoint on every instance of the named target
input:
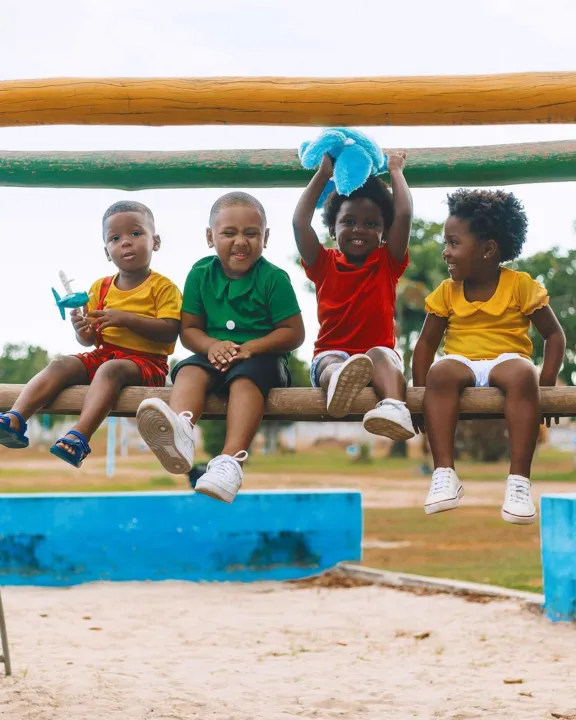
(355, 304)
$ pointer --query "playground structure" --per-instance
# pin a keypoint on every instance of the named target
(521, 98)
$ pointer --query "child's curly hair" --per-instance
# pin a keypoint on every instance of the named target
(493, 215)
(374, 189)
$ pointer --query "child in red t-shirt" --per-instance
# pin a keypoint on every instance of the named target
(356, 292)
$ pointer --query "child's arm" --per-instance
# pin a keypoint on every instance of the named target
(164, 330)
(546, 322)
(306, 238)
(399, 233)
(287, 335)
(426, 347)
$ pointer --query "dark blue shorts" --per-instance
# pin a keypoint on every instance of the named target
(265, 371)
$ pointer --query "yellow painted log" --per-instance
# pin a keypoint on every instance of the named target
(305, 403)
(451, 100)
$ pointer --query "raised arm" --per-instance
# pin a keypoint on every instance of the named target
(426, 348)
(546, 322)
(399, 233)
(306, 238)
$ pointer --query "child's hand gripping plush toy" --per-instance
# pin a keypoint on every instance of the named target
(355, 158)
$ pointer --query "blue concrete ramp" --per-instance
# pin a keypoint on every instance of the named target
(66, 539)
(558, 535)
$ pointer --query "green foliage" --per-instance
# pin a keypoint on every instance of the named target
(299, 371)
(19, 363)
(213, 436)
(556, 270)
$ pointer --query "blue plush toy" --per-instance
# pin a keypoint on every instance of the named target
(355, 157)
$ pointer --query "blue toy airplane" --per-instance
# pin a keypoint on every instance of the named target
(71, 299)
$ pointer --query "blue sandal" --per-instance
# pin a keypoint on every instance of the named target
(80, 449)
(9, 437)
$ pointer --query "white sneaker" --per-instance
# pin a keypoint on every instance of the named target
(518, 507)
(445, 491)
(390, 418)
(168, 435)
(223, 477)
(346, 382)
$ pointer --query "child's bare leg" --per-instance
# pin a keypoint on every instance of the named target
(444, 383)
(390, 417)
(245, 411)
(191, 386)
(44, 387)
(223, 477)
(387, 380)
(518, 381)
(326, 368)
(103, 393)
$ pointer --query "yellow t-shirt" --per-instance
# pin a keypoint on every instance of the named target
(485, 330)
(156, 297)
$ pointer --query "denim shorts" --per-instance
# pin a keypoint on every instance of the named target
(344, 355)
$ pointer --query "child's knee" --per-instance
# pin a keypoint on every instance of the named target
(384, 360)
(118, 372)
(64, 367)
(244, 384)
(525, 379)
(441, 378)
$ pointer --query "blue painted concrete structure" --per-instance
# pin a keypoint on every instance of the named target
(558, 536)
(66, 539)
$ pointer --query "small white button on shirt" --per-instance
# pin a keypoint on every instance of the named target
(230, 324)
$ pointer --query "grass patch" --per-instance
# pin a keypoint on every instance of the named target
(164, 481)
(471, 543)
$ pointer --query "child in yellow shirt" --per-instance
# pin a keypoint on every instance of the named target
(133, 319)
(484, 311)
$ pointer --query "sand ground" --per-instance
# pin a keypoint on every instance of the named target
(135, 651)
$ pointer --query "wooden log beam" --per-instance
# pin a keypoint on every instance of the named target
(546, 97)
(305, 403)
(427, 167)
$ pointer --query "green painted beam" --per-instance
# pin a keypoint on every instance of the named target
(432, 167)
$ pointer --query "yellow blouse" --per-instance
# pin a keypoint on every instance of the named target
(485, 330)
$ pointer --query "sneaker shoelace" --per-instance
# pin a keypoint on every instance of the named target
(441, 480)
(518, 491)
(391, 403)
(222, 464)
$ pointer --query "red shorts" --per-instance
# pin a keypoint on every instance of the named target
(153, 368)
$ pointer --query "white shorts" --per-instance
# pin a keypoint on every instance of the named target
(481, 369)
(392, 354)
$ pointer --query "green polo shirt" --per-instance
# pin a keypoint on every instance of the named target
(239, 309)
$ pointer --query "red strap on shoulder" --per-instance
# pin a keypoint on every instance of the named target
(106, 283)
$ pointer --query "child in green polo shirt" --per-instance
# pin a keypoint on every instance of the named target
(241, 319)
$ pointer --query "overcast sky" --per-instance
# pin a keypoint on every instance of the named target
(43, 231)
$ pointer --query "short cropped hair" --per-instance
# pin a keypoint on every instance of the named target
(128, 206)
(374, 189)
(236, 198)
(493, 215)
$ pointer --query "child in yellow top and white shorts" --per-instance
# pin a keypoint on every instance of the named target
(485, 312)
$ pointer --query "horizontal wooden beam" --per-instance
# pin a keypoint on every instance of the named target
(546, 97)
(305, 403)
(427, 167)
